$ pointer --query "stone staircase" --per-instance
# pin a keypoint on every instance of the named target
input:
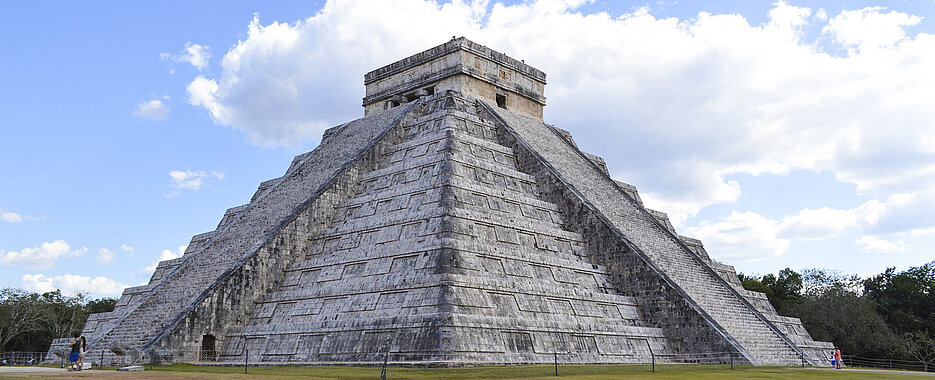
(240, 236)
(682, 268)
(446, 235)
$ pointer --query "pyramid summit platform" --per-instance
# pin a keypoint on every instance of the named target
(448, 225)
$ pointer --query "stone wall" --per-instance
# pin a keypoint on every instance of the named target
(235, 243)
(723, 307)
(459, 65)
(445, 254)
(687, 329)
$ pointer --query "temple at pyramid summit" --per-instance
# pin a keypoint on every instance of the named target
(452, 225)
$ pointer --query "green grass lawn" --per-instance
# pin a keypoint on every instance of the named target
(714, 372)
(670, 371)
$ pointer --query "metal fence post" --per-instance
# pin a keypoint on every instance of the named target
(102, 358)
(152, 359)
(556, 363)
(731, 353)
(385, 360)
(246, 354)
(651, 354)
(803, 360)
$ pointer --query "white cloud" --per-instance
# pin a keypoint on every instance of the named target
(876, 245)
(9, 216)
(154, 110)
(816, 224)
(901, 212)
(41, 257)
(166, 254)
(191, 180)
(194, 54)
(126, 248)
(692, 101)
(746, 236)
(285, 83)
(710, 188)
(750, 236)
(105, 256)
(71, 284)
(14, 217)
(870, 27)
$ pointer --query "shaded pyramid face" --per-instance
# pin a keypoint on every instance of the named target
(446, 252)
(448, 225)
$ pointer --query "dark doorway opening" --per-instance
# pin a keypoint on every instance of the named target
(501, 101)
(208, 349)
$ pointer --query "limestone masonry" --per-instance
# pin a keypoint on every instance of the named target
(451, 225)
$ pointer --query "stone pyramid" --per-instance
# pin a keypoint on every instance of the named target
(449, 225)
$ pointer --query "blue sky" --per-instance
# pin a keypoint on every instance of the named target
(788, 134)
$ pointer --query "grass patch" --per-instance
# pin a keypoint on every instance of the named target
(675, 371)
(590, 372)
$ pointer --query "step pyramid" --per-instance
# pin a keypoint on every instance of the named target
(448, 225)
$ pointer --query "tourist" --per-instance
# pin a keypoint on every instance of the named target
(73, 356)
(84, 349)
(837, 358)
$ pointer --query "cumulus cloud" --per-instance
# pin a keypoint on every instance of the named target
(750, 236)
(870, 27)
(154, 110)
(14, 217)
(741, 236)
(41, 257)
(105, 256)
(165, 254)
(71, 284)
(674, 105)
(194, 54)
(816, 224)
(287, 82)
(191, 180)
(876, 245)
(9, 216)
(126, 248)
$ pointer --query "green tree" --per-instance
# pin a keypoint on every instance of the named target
(19, 316)
(905, 299)
(833, 310)
(921, 347)
(754, 284)
(62, 316)
(102, 305)
(30, 321)
(785, 289)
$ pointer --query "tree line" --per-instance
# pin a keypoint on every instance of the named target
(889, 315)
(30, 321)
